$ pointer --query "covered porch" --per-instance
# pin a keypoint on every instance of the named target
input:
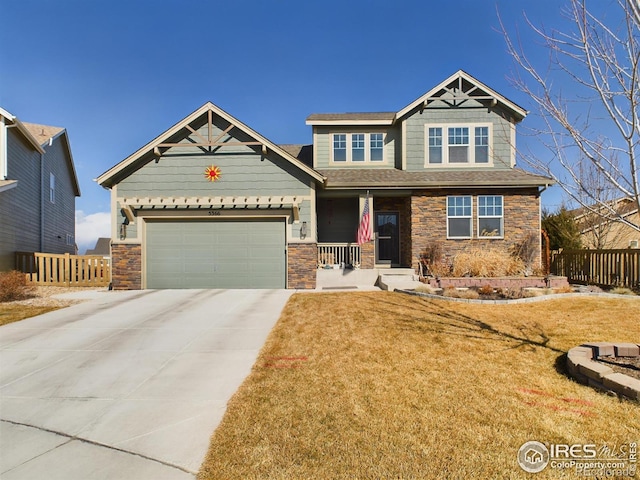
(338, 218)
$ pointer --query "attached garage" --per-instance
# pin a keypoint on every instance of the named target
(216, 253)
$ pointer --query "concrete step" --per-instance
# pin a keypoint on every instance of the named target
(394, 280)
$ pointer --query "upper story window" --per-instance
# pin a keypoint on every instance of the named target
(340, 147)
(457, 144)
(52, 188)
(376, 147)
(357, 147)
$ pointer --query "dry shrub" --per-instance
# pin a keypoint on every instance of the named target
(485, 289)
(622, 291)
(486, 262)
(424, 288)
(440, 269)
(13, 286)
(563, 289)
(452, 292)
(511, 293)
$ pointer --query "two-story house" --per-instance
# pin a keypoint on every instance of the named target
(211, 203)
(38, 188)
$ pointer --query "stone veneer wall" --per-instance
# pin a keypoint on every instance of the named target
(429, 220)
(368, 255)
(302, 265)
(126, 266)
(402, 205)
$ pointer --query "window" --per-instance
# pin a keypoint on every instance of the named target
(490, 216)
(435, 145)
(457, 144)
(340, 147)
(358, 147)
(376, 147)
(52, 188)
(459, 217)
(69, 239)
(482, 144)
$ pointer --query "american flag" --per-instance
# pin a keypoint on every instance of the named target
(364, 229)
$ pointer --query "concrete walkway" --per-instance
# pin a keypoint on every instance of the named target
(129, 385)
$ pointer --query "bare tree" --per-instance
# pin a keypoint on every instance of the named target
(596, 125)
(599, 233)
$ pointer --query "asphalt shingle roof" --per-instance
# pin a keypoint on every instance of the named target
(393, 178)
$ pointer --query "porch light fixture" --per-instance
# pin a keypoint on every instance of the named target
(123, 231)
(303, 230)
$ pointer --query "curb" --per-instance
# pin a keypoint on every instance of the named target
(583, 368)
(540, 298)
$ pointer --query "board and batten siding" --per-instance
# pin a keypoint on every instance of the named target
(441, 114)
(323, 145)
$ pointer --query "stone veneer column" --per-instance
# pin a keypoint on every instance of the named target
(126, 266)
(302, 265)
(368, 255)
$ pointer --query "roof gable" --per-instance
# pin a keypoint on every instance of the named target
(40, 136)
(184, 129)
(461, 87)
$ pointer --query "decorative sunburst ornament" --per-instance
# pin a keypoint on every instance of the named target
(212, 173)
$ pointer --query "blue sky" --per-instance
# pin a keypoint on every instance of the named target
(116, 74)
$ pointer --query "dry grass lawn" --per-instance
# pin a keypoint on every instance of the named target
(10, 313)
(384, 385)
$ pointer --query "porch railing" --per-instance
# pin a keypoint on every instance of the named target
(338, 254)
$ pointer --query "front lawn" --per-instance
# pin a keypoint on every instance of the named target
(10, 313)
(385, 385)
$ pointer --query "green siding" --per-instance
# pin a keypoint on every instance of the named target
(323, 147)
(216, 254)
(435, 113)
(244, 171)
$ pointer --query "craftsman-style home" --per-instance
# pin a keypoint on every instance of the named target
(211, 203)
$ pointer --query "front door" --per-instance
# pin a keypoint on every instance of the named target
(387, 227)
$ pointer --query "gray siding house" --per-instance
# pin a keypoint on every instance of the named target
(38, 188)
(211, 203)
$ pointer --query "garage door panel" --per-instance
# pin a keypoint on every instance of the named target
(215, 254)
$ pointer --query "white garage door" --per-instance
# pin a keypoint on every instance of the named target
(215, 254)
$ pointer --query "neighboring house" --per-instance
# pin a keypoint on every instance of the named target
(38, 190)
(212, 203)
(602, 234)
(102, 248)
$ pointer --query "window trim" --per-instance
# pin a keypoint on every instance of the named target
(471, 152)
(349, 149)
(501, 217)
(470, 217)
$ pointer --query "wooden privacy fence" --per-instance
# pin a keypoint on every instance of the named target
(64, 270)
(606, 268)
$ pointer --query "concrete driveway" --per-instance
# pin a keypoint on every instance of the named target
(129, 385)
